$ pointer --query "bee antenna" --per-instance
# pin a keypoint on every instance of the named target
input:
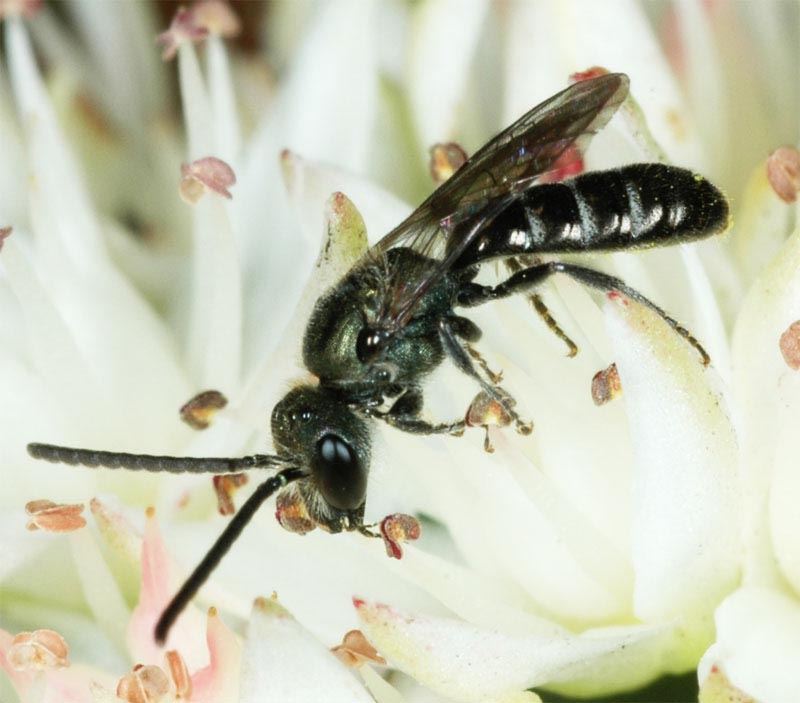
(229, 535)
(147, 462)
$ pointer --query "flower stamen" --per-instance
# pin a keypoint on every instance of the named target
(38, 650)
(54, 517)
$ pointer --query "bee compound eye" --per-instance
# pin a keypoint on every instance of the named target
(338, 473)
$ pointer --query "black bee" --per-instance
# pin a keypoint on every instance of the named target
(392, 319)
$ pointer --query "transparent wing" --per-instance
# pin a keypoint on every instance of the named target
(556, 130)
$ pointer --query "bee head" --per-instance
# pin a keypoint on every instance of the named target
(328, 440)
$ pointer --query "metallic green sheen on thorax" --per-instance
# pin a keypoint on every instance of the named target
(329, 345)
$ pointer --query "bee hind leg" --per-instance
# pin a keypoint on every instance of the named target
(514, 265)
(522, 281)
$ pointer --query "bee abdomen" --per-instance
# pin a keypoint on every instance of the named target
(644, 205)
(634, 206)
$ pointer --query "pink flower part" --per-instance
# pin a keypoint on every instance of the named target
(179, 674)
(159, 584)
(184, 27)
(66, 685)
(356, 650)
(38, 650)
(208, 173)
(616, 297)
(217, 17)
(215, 683)
(4, 234)
(606, 385)
(53, 517)
(145, 684)
(225, 486)
(397, 528)
(783, 172)
(588, 74)
(671, 36)
(717, 687)
(19, 8)
(569, 164)
(199, 411)
(790, 345)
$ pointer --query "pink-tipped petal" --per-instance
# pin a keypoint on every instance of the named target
(184, 27)
(159, 584)
(219, 681)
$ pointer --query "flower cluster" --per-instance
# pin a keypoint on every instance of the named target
(647, 526)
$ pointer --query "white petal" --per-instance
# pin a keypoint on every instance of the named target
(215, 333)
(59, 183)
(327, 105)
(467, 663)
(127, 75)
(686, 496)
(437, 39)
(761, 225)
(382, 691)
(99, 587)
(758, 644)
(784, 490)
(223, 102)
(310, 184)
(759, 369)
(283, 662)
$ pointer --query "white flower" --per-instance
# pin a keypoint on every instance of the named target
(587, 558)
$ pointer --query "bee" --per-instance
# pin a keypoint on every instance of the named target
(376, 334)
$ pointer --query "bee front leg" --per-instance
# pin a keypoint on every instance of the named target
(405, 415)
(461, 358)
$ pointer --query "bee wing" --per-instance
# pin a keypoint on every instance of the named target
(556, 130)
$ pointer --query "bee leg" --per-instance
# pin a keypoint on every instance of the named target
(366, 530)
(513, 265)
(405, 415)
(538, 304)
(464, 328)
(467, 330)
(461, 358)
(410, 403)
(416, 425)
(494, 376)
(474, 294)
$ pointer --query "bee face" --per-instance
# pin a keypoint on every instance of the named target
(329, 440)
